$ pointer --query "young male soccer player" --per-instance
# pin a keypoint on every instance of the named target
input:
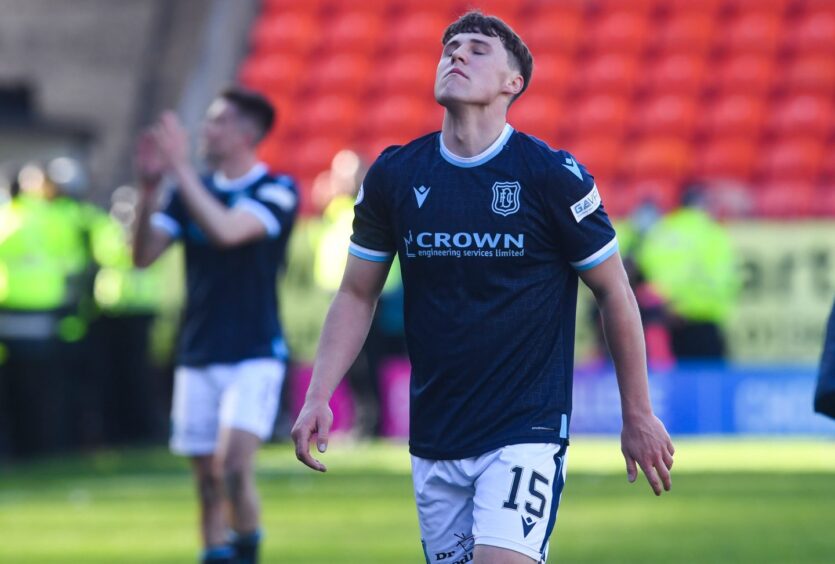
(491, 227)
(234, 225)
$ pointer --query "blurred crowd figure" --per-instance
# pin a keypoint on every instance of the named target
(74, 318)
(334, 193)
(682, 268)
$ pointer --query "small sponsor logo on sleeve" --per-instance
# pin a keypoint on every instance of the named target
(587, 205)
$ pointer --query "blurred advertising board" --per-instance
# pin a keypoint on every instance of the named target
(690, 399)
(788, 284)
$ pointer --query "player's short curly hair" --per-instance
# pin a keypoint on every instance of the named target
(518, 53)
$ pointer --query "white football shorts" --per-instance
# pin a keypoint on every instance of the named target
(506, 498)
(244, 396)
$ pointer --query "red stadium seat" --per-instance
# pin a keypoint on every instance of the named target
(748, 74)
(280, 6)
(354, 31)
(686, 32)
(273, 74)
(408, 73)
(734, 114)
(608, 73)
(657, 158)
(784, 198)
(777, 7)
(726, 158)
(327, 113)
(420, 31)
(824, 200)
(618, 32)
(814, 33)
(556, 32)
(600, 154)
(341, 72)
(792, 159)
(693, 7)
(601, 114)
(551, 72)
(286, 32)
(311, 155)
(537, 115)
(753, 32)
(675, 73)
(665, 115)
(403, 117)
(803, 114)
(811, 74)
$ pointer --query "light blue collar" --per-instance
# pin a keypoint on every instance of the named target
(481, 158)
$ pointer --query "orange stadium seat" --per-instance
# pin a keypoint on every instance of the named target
(685, 32)
(613, 72)
(795, 158)
(803, 114)
(657, 158)
(354, 31)
(784, 198)
(726, 158)
(406, 74)
(313, 154)
(746, 73)
(340, 72)
(811, 74)
(598, 114)
(668, 114)
(675, 73)
(618, 32)
(734, 114)
(274, 74)
(286, 32)
(753, 32)
(553, 31)
(536, 114)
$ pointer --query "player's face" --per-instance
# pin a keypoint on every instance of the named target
(224, 132)
(474, 69)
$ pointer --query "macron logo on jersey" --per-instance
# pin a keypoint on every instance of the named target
(572, 165)
(587, 205)
(420, 194)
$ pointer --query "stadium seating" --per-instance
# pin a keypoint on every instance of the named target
(644, 92)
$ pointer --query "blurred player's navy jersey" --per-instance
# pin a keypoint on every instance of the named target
(489, 248)
(231, 307)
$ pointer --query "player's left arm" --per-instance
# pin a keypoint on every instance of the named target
(644, 440)
(224, 227)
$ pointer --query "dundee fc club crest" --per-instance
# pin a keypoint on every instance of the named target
(506, 197)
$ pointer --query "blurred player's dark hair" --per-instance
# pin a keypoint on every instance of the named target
(253, 106)
(491, 26)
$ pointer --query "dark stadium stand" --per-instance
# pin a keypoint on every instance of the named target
(648, 93)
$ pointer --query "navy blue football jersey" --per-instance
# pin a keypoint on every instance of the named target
(231, 311)
(489, 249)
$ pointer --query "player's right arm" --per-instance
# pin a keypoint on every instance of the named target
(346, 327)
(149, 242)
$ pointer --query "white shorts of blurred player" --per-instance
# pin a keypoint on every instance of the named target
(506, 498)
(244, 396)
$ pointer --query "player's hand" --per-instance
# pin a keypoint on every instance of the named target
(645, 443)
(312, 426)
(147, 160)
(171, 139)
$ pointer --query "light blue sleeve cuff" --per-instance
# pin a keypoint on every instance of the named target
(263, 214)
(591, 261)
(369, 254)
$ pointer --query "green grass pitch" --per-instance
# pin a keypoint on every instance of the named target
(736, 500)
